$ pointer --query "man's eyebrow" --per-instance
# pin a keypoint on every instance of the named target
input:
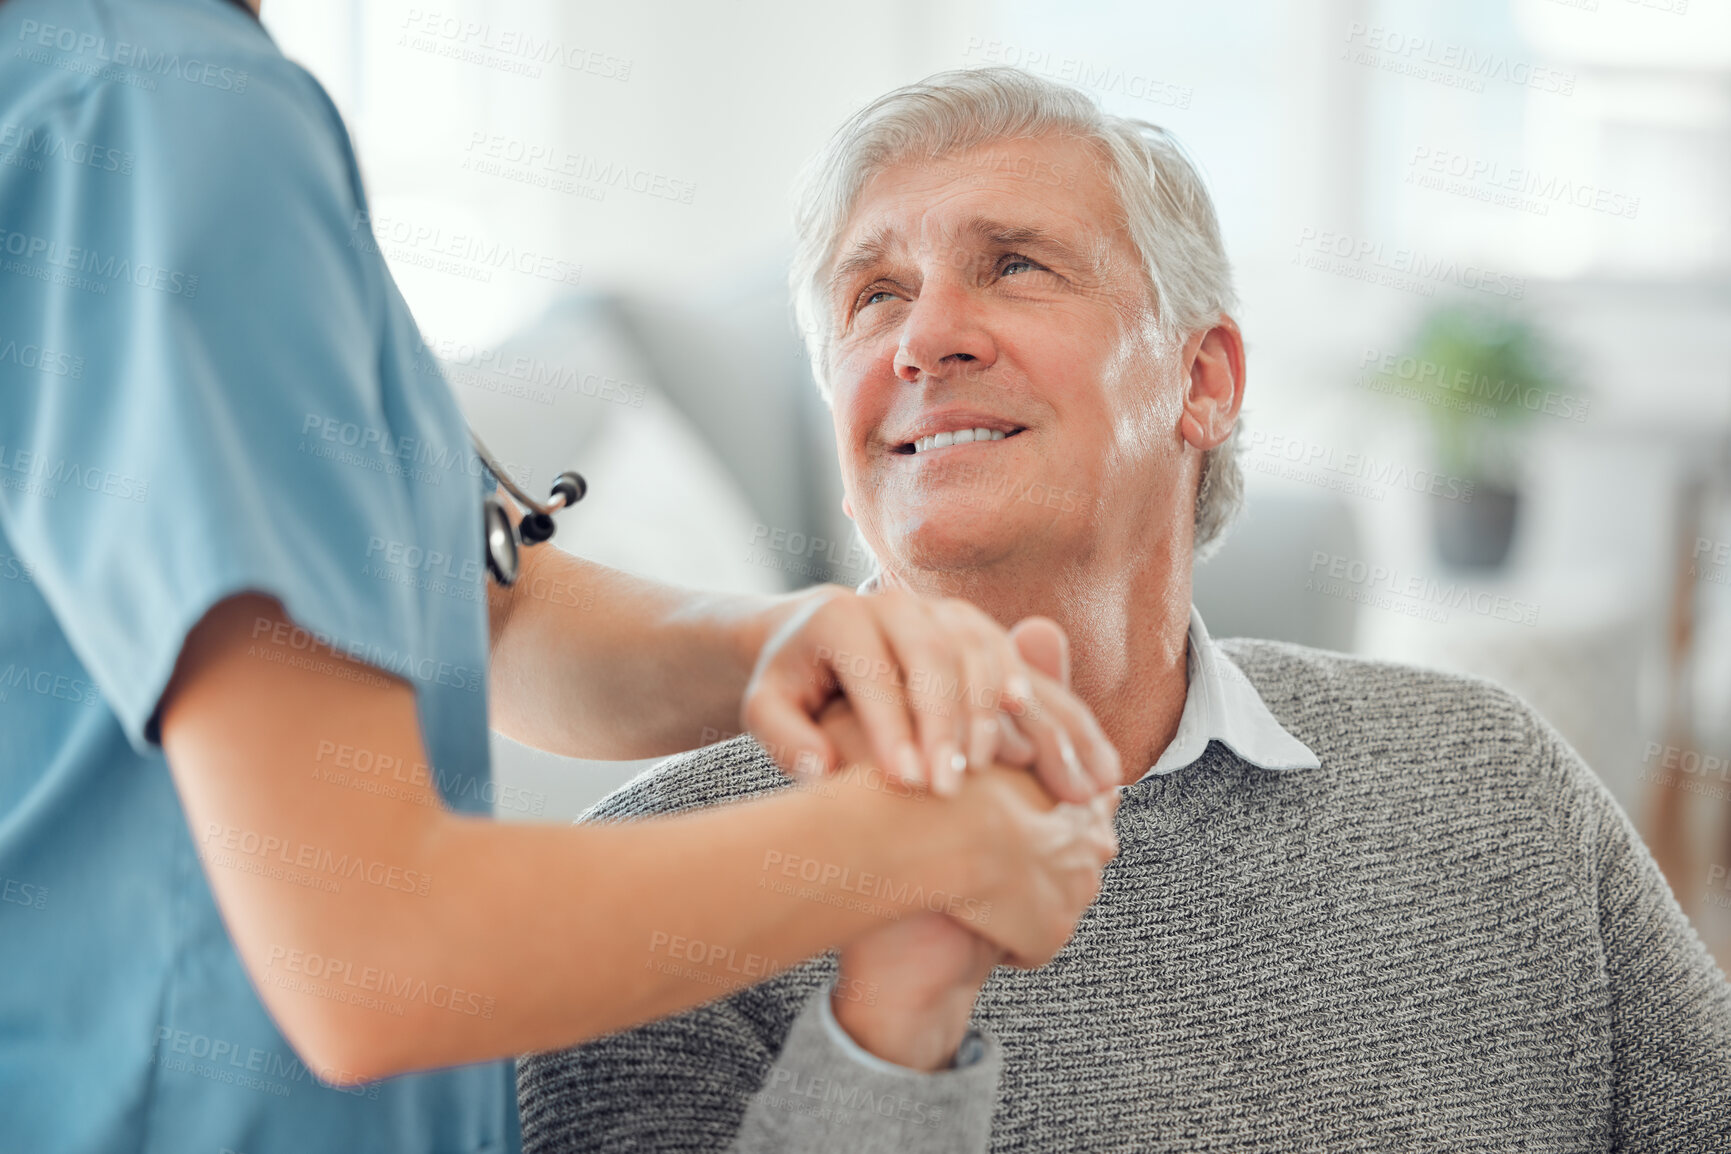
(871, 249)
(1017, 236)
(875, 247)
(1010, 235)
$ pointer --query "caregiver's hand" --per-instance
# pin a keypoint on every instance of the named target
(933, 682)
(928, 969)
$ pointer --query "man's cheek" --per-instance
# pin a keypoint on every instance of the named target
(859, 429)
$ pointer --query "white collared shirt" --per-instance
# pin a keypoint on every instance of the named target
(1221, 705)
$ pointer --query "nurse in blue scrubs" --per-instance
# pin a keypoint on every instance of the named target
(249, 896)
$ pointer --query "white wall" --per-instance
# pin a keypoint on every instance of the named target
(1302, 125)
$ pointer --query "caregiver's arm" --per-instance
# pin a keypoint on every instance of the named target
(591, 662)
(386, 934)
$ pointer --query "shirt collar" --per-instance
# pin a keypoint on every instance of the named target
(1221, 705)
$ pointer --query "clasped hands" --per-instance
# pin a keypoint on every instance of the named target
(924, 971)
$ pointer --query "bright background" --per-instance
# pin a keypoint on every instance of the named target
(1316, 124)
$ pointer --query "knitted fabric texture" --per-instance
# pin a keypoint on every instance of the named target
(1448, 937)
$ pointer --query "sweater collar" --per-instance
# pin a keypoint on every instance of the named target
(1221, 705)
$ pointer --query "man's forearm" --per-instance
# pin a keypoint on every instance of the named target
(591, 662)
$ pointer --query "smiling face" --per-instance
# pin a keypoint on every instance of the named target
(1003, 397)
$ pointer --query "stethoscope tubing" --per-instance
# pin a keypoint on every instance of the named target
(500, 538)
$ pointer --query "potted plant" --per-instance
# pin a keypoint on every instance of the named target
(1482, 373)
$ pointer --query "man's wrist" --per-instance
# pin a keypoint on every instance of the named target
(924, 1040)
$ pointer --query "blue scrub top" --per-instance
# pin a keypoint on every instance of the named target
(208, 384)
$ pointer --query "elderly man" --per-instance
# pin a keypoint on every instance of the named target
(1357, 906)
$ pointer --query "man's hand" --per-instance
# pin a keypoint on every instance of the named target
(927, 970)
(933, 682)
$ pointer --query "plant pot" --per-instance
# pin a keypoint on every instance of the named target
(1476, 533)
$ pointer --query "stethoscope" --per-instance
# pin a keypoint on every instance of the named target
(501, 537)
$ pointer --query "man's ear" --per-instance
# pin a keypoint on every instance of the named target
(846, 507)
(1215, 392)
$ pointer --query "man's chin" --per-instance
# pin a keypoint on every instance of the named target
(963, 540)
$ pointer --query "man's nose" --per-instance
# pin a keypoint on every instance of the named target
(943, 336)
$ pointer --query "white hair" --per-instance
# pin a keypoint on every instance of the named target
(1166, 206)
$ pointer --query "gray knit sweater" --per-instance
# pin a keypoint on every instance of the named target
(1448, 937)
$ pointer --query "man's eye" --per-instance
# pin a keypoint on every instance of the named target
(1013, 263)
(872, 297)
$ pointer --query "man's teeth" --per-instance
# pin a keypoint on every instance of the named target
(959, 437)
